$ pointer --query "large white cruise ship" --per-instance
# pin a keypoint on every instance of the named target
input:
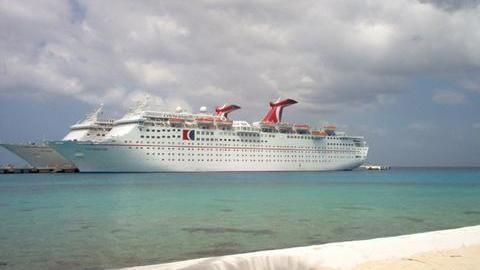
(42, 156)
(152, 141)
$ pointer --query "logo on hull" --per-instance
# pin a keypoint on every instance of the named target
(188, 135)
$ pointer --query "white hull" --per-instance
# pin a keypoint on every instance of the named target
(179, 156)
(39, 156)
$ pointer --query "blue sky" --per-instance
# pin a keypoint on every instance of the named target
(404, 74)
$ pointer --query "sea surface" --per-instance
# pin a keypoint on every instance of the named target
(98, 221)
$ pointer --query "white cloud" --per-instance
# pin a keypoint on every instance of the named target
(329, 55)
(151, 74)
(448, 97)
(476, 125)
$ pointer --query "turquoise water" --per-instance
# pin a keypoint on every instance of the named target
(96, 221)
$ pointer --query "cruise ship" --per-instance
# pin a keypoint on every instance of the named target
(155, 141)
(91, 128)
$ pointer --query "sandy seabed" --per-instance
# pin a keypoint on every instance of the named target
(457, 249)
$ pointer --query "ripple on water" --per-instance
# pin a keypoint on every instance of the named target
(114, 231)
(3, 263)
(226, 200)
(356, 208)
(342, 230)
(226, 210)
(218, 230)
(86, 227)
(471, 212)
(304, 220)
(412, 219)
(31, 209)
(214, 251)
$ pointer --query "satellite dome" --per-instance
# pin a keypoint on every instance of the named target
(179, 109)
(203, 109)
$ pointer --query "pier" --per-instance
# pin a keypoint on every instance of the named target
(12, 170)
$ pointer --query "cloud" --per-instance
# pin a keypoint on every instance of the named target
(327, 54)
(151, 74)
(476, 125)
(448, 97)
(452, 5)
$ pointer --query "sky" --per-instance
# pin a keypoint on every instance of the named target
(403, 73)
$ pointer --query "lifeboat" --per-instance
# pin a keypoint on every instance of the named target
(301, 127)
(189, 124)
(329, 129)
(320, 132)
(204, 120)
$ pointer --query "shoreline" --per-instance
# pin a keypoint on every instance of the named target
(372, 253)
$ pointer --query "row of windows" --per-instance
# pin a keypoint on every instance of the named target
(162, 130)
(98, 134)
(258, 156)
(248, 160)
(211, 133)
(244, 150)
(335, 146)
(221, 139)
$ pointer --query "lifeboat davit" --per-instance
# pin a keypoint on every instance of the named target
(223, 122)
(174, 121)
(284, 127)
(267, 125)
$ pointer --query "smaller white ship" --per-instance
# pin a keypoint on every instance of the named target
(42, 156)
(371, 167)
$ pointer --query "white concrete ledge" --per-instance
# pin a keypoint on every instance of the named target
(343, 255)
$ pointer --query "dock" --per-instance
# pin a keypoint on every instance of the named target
(15, 170)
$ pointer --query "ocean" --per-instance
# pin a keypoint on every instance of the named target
(98, 221)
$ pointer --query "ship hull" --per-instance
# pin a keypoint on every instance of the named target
(39, 156)
(108, 157)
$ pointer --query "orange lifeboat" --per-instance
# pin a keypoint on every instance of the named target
(329, 129)
(204, 120)
(319, 132)
(302, 127)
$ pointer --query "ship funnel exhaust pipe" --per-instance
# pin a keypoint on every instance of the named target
(274, 115)
(223, 111)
